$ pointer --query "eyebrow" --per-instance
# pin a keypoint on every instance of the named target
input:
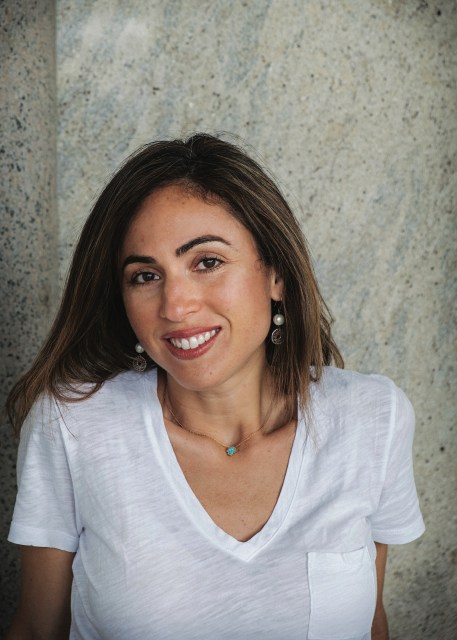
(200, 240)
(135, 259)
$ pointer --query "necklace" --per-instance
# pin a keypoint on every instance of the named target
(232, 449)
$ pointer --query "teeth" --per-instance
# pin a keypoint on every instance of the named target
(194, 341)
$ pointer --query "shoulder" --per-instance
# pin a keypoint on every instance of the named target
(351, 386)
(125, 388)
(124, 395)
(118, 396)
(124, 382)
(362, 399)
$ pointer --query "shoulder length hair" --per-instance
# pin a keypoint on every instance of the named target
(91, 339)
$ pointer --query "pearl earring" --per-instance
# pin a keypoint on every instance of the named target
(139, 362)
(277, 335)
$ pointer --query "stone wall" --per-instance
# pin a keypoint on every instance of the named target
(351, 104)
(29, 239)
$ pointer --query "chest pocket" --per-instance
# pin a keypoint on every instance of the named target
(343, 594)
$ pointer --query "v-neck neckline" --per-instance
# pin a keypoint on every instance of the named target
(195, 511)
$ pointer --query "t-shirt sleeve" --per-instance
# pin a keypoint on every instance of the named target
(44, 513)
(397, 518)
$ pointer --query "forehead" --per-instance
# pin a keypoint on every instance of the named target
(174, 214)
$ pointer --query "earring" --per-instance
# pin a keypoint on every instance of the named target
(277, 335)
(139, 362)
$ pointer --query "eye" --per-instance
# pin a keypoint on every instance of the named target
(209, 263)
(143, 277)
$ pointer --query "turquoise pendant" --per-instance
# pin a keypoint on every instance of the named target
(230, 451)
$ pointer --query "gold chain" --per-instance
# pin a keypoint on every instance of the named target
(232, 449)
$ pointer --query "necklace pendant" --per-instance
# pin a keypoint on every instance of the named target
(230, 451)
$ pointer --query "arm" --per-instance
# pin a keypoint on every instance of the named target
(44, 607)
(379, 628)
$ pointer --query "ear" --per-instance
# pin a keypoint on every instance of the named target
(276, 286)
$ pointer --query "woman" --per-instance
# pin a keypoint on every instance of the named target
(191, 466)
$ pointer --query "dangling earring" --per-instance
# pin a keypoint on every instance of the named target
(277, 335)
(139, 362)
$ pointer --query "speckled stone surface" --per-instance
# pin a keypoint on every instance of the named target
(28, 223)
(352, 105)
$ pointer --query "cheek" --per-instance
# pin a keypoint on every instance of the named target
(129, 305)
(137, 313)
(247, 297)
(254, 305)
(259, 294)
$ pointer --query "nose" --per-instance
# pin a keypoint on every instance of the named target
(179, 299)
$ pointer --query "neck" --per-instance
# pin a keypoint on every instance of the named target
(228, 414)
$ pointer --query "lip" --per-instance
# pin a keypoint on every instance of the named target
(188, 333)
(190, 354)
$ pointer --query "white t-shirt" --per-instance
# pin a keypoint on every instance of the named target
(99, 477)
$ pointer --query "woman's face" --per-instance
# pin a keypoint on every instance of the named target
(196, 293)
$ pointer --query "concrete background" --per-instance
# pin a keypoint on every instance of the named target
(352, 104)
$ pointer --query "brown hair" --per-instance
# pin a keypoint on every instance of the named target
(91, 339)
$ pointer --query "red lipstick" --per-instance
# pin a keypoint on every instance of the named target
(187, 334)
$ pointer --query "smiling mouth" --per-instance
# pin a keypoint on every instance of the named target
(193, 342)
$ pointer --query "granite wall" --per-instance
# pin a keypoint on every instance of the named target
(352, 104)
(29, 240)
